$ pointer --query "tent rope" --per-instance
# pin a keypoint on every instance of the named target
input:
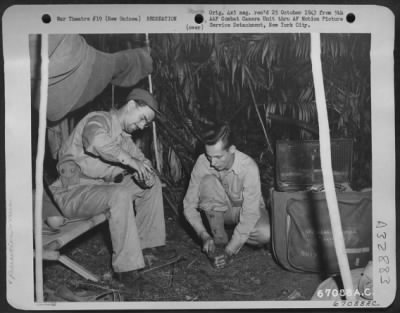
(326, 165)
(155, 142)
(39, 168)
(112, 96)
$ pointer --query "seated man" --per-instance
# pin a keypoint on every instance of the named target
(91, 165)
(225, 185)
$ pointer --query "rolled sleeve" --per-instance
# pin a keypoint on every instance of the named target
(191, 200)
(250, 211)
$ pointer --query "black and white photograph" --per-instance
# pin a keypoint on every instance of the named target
(204, 167)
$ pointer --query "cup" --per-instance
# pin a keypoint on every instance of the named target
(55, 221)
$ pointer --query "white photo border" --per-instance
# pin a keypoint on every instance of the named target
(20, 21)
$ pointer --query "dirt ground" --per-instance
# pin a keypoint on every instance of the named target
(254, 274)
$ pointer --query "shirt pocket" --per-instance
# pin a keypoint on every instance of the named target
(236, 192)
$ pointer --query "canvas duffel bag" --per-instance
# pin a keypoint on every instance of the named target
(302, 237)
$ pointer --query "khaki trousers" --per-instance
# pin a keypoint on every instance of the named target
(220, 210)
(130, 232)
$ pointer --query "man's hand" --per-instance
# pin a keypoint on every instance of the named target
(143, 169)
(222, 260)
(208, 243)
(209, 246)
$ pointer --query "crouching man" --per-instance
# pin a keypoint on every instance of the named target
(225, 185)
(93, 163)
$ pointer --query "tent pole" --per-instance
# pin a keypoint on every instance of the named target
(112, 96)
(326, 164)
(155, 142)
(39, 168)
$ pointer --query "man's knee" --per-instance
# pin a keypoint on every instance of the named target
(120, 194)
(212, 196)
(154, 190)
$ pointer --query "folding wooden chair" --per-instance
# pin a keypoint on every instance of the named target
(53, 241)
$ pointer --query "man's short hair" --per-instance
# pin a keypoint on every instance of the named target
(218, 132)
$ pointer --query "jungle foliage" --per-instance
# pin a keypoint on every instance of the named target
(260, 83)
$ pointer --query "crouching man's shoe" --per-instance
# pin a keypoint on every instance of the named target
(158, 255)
(127, 278)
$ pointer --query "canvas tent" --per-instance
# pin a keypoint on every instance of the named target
(78, 72)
